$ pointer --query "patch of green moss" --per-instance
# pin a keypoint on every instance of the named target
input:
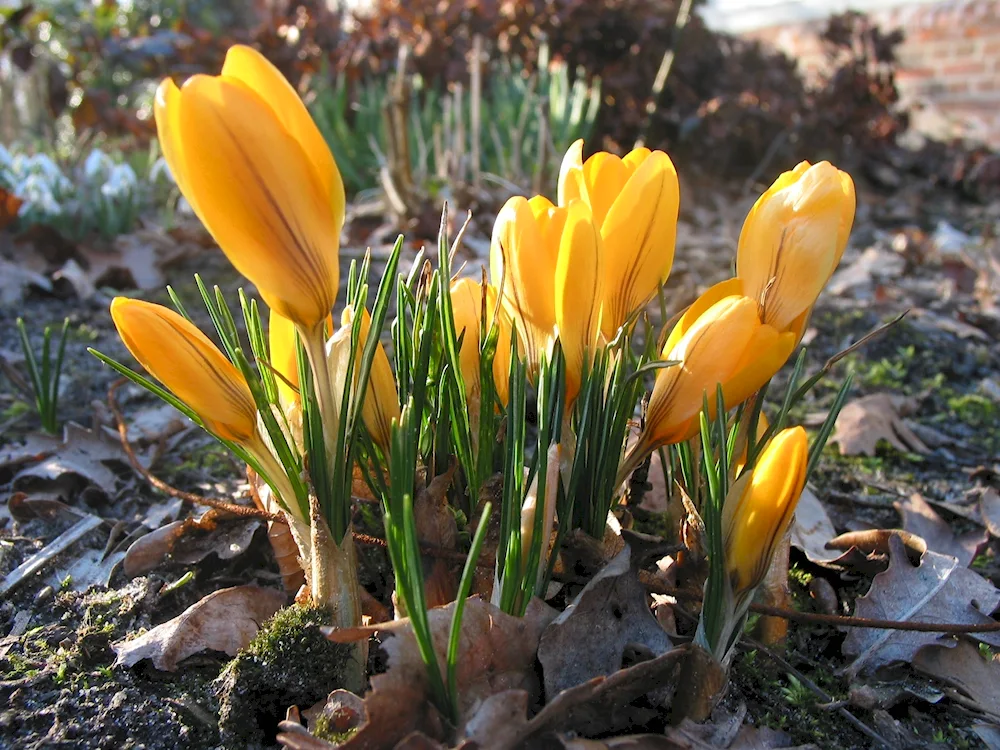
(974, 410)
(289, 662)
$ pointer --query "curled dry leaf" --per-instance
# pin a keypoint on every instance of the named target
(989, 509)
(812, 529)
(936, 591)
(960, 665)
(496, 653)
(191, 541)
(920, 518)
(865, 421)
(591, 636)
(225, 620)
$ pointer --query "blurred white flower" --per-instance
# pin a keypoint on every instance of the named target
(160, 169)
(121, 181)
(36, 192)
(96, 164)
(5, 158)
(43, 164)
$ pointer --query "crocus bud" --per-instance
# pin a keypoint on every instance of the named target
(720, 340)
(548, 260)
(381, 405)
(792, 241)
(259, 175)
(634, 201)
(183, 358)
(467, 306)
(759, 508)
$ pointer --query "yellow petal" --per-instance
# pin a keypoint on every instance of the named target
(708, 353)
(639, 234)
(166, 111)
(248, 66)
(709, 297)
(605, 176)
(755, 519)
(259, 196)
(183, 358)
(284, 356)
(764, 354)
(577, 290)
(381, 405)
(467, 304)
(571, 185)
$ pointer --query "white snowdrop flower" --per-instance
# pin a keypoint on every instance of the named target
(5, 158)
(121, 181)
(36, 192)
(160, 169)
(43, 164)
(96, 164)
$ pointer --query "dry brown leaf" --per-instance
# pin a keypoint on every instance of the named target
(962, 666)
(590, 637)
(865, 421)
(190, 541)
(81, 453)
(136, 260)
(496, 653)
(989, 509)
(225, 620)
(936, 591)
(812, 529)
(920, 518)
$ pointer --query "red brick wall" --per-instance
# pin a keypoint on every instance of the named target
(949, 62)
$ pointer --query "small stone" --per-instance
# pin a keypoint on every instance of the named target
(44, 594)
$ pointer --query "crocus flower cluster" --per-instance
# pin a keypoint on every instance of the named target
(255, 169)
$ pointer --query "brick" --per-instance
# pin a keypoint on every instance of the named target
(964, 69)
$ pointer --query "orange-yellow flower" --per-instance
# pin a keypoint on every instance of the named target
(792, 241)
(467, 305)
(547, 260)
(759, 508)
(720, 340)
(183, 358)
(634, 201)
(255, 169)
(283, 352)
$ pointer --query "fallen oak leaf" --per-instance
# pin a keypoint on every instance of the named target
(82, 453)
(920, 518)
(225, 620)
(864, 421)
(936, 591)
(191, 541)
(590, 637)
(496, 653)
(963, 667)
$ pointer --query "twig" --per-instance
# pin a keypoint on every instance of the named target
(813, 618)
(666, 63)
(750, 643)
(190, 497)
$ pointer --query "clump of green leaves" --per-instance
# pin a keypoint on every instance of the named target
(45, 372)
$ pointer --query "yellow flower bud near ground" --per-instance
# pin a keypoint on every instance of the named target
(183, 358)
(467, 306)
(634, 201)
(254, 167)
(792, 241)
(759, 508)
(381, 405)
(720, 340)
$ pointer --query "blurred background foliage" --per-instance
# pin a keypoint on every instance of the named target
(425, 99)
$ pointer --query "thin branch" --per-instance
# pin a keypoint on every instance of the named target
(813, 618)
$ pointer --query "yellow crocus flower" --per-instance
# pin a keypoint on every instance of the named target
(381, 406)
(255, 169)
(792, 241)
(467, 306)
(719, 340)
(183, 358)
(759, 508)
(283, 352)
(547, 260)
(634, 201)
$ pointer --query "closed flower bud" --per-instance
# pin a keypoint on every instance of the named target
(467, 305)
(792, 241)
(255, 169)
(183, 358)
(759, 508)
